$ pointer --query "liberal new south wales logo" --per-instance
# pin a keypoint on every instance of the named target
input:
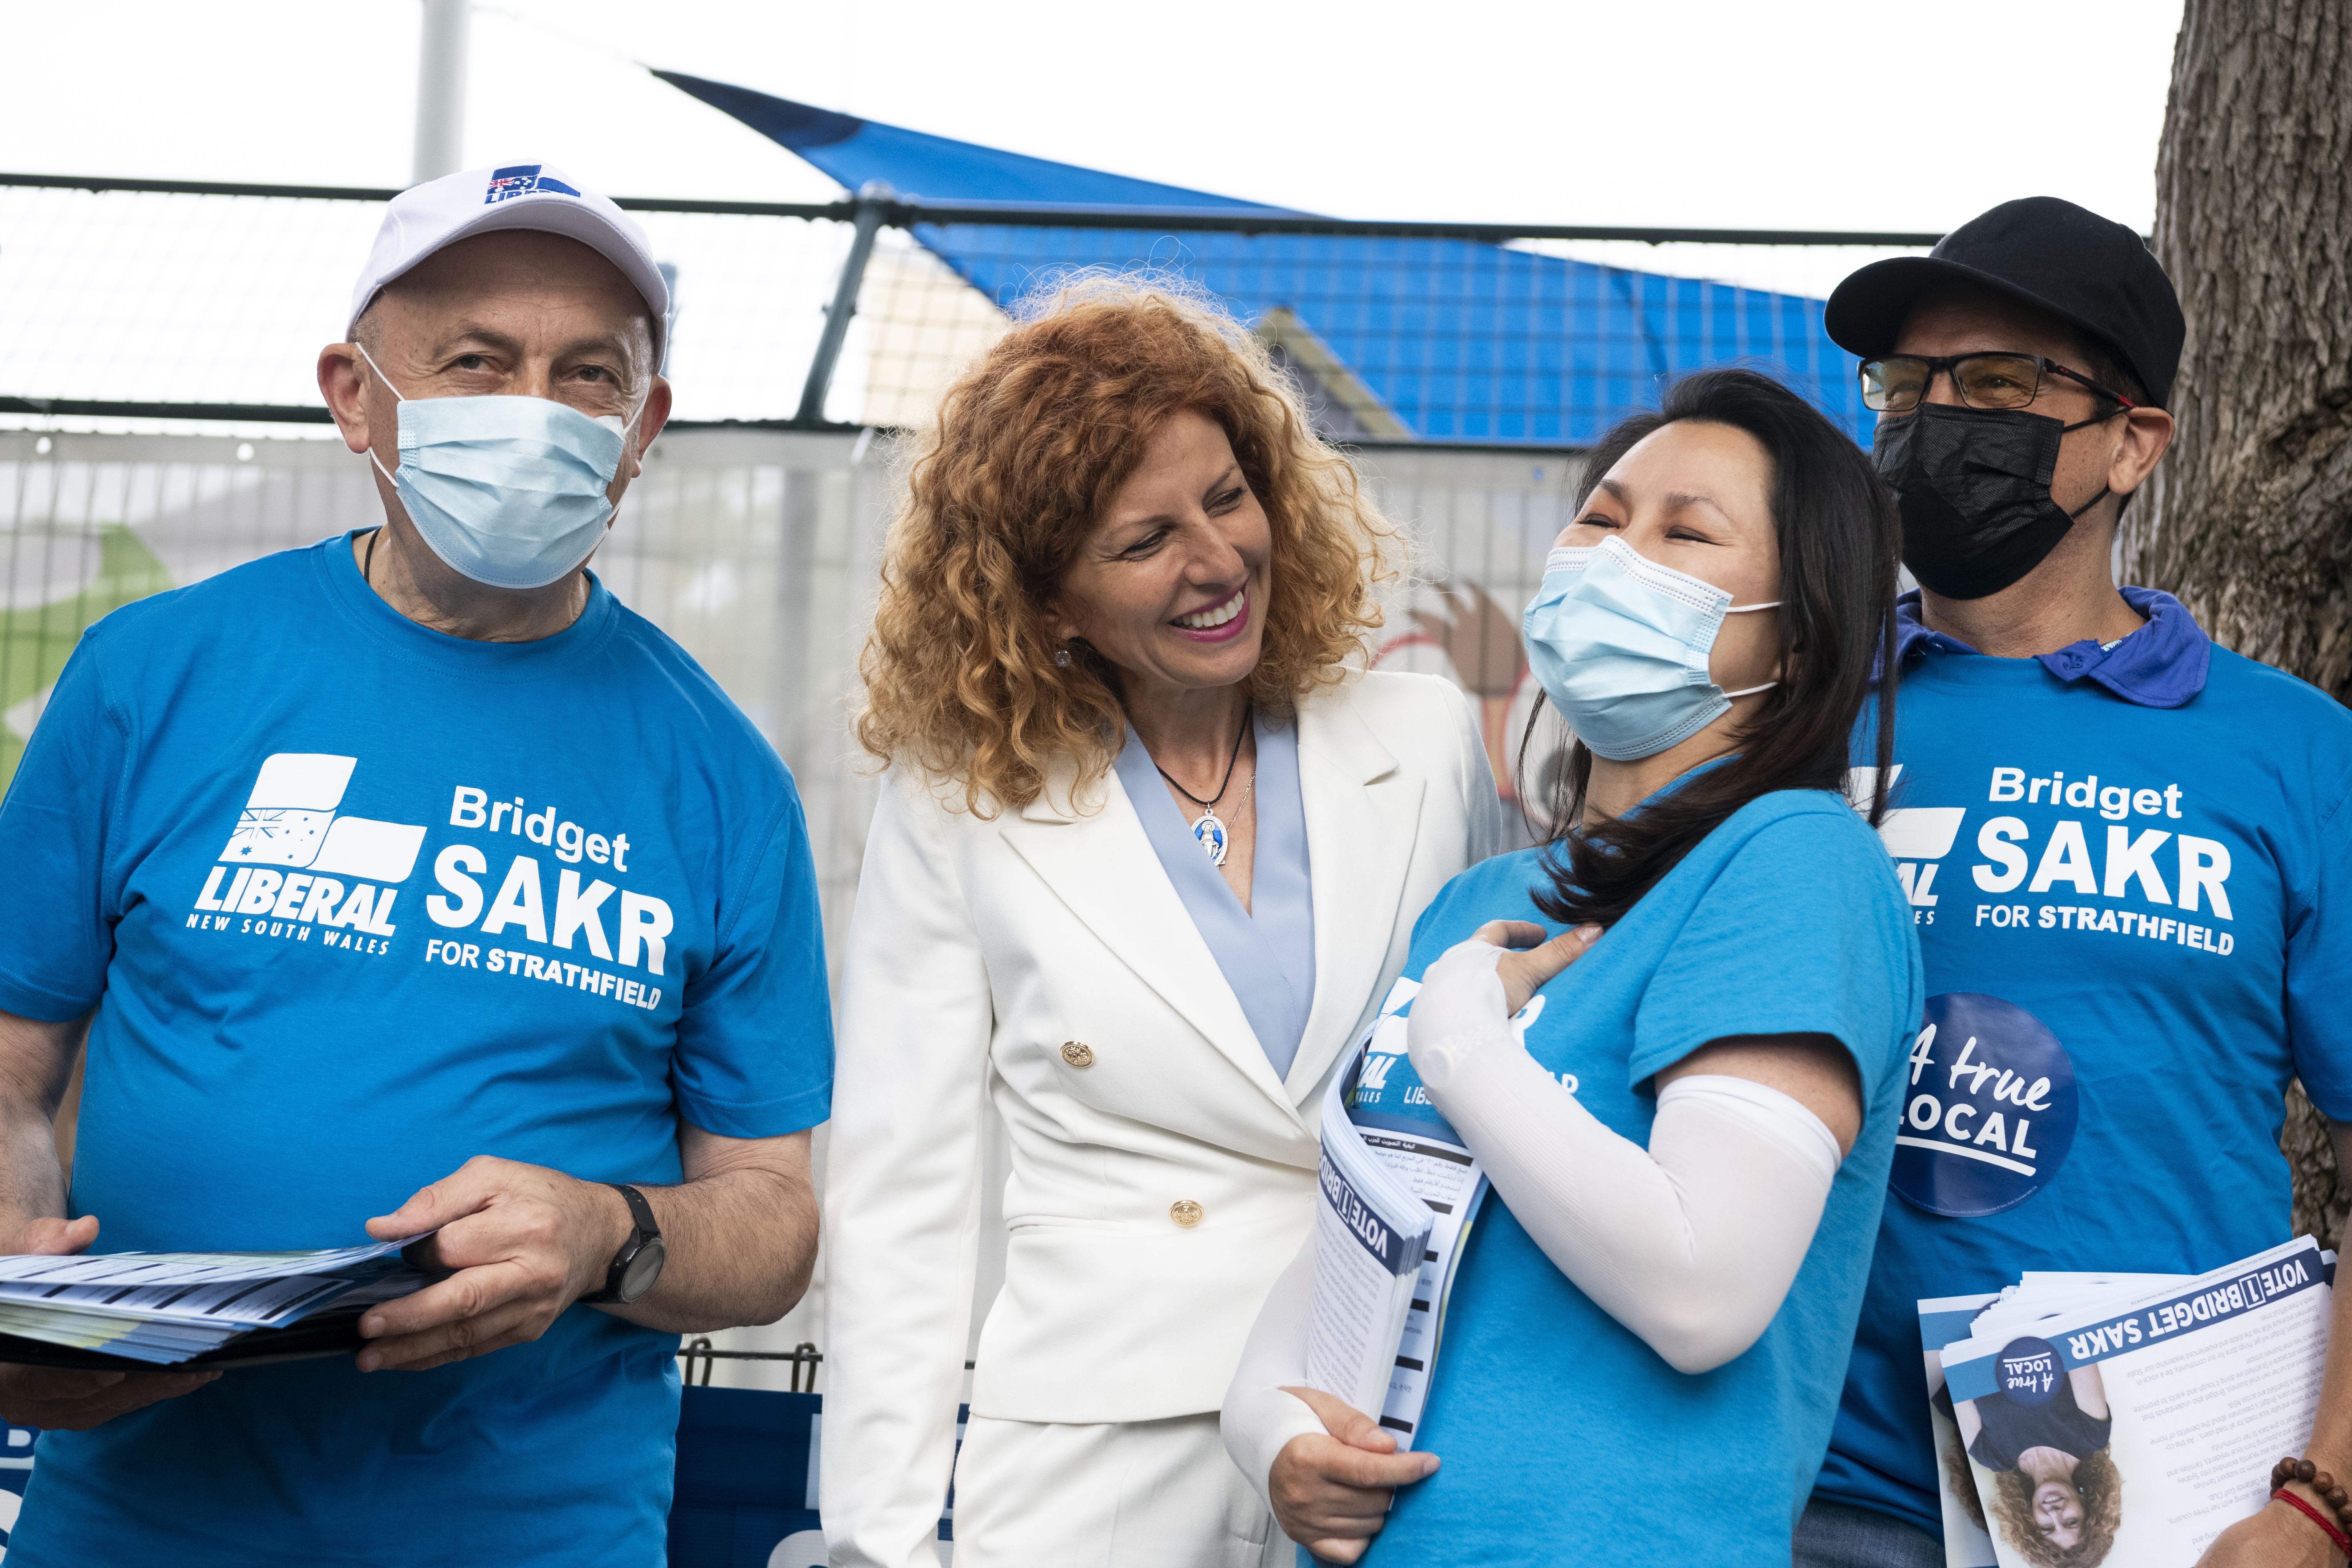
(523, 179)
(291, 820)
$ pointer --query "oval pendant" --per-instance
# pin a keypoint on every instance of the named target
(1211, 835)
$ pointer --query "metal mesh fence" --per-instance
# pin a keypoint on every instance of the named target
(153, 299)
(751, 549)
(1464, 370)
(1413, 345)
(756, 550)
(171, 298)
(216, 300)
(1423, 339)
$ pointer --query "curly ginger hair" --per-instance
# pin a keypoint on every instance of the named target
(1031, 445)
(2101, 1488)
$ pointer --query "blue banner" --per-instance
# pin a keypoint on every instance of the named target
(2198, 1307)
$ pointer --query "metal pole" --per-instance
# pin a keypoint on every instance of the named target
(872, 198)
(441, 90)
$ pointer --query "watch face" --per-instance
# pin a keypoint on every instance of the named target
(638, 1274)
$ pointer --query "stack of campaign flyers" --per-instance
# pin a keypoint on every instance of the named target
(2121, 1419)
(1398, 1191)
(147, 1311)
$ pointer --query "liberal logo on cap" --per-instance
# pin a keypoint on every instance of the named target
(424, 218)
(523, 179)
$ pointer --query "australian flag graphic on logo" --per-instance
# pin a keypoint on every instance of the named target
(523, 179)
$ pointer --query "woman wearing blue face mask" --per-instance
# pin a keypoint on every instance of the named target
(1688, 1140)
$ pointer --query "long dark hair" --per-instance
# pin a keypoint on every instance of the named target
(1839, 545)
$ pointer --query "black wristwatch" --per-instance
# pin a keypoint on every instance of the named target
(639, 1262)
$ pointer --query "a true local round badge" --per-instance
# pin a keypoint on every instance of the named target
(1989, 1110)
(2029, 1371)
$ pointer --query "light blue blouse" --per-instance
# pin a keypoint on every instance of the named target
(1266, 951)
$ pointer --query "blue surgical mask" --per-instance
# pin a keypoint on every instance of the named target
(1619, 644)
(508, 491)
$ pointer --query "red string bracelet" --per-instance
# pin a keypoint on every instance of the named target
(2343, 1543)
(2338, 1501)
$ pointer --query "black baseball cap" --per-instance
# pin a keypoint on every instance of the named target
(2094, 274)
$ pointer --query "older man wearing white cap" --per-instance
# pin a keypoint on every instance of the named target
(412, 863)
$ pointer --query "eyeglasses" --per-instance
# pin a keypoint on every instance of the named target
(1893, 384)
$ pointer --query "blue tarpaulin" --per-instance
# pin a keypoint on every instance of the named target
(1429, 338)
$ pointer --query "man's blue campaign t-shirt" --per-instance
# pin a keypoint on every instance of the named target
(357, 902)
(1562, 1435)
(2131, 874)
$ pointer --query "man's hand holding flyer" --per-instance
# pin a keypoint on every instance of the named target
(2122, 1419)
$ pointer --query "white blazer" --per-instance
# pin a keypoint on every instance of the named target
(1043, 960)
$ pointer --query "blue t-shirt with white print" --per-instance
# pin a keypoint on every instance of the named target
(2130, 868)
(356, 901)
(1555, 1423)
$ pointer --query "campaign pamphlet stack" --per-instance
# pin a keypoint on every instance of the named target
(132, 1310)
(2183, 1390)
(1399, 1190)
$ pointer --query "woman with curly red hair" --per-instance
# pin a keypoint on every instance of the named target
(1150, 849)
(2055, 1491)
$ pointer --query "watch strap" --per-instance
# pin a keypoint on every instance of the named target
(640, 1211)
(644, 1229)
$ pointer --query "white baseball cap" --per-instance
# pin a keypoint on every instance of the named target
(424, 218)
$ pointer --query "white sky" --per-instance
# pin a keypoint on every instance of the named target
(1828, 114)
(1831, 113)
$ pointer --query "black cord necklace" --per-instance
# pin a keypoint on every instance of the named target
(1208, 830)
(367, 562)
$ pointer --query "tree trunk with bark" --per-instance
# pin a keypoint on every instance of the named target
(2248, 520)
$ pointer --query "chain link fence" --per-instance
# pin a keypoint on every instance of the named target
(130, 299)
(160, 423)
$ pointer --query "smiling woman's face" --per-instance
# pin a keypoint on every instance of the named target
(1170, 586)
(2058, 1513)
(1697, 497)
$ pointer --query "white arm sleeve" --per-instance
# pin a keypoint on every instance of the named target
(1258, 1417)
(1691, 1243)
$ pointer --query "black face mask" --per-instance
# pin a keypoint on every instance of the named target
(1974, 484)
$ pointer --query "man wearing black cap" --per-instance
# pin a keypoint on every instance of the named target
(2118, 842)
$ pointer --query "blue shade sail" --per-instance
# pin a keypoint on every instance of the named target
(1437, 339)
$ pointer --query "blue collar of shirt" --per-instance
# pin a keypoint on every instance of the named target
(2162, 665)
